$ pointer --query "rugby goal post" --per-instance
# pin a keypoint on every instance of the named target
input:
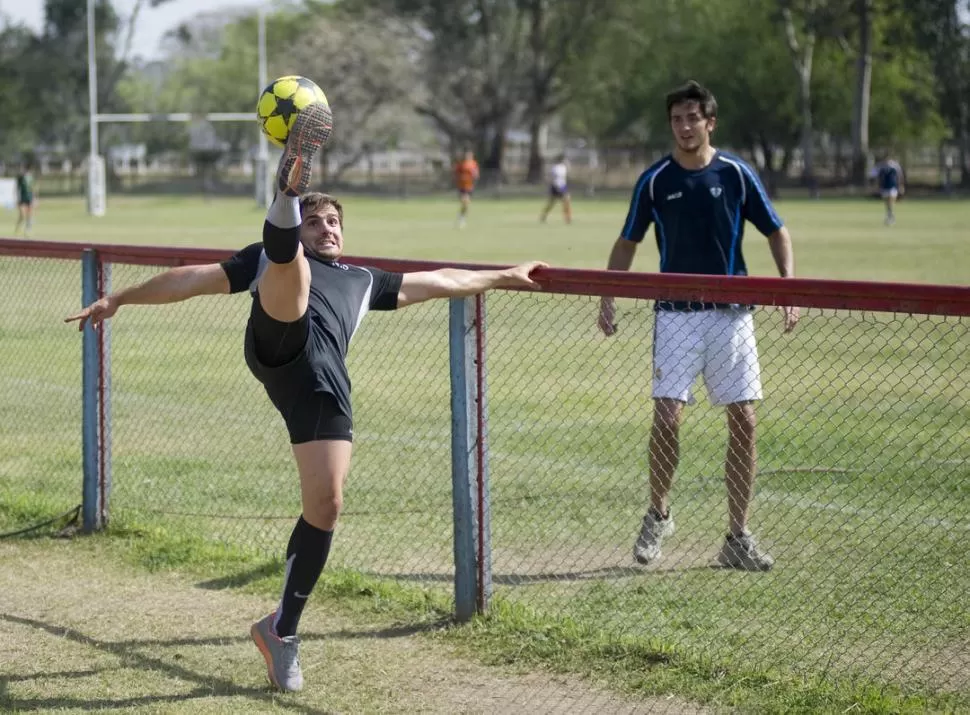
(97, 188)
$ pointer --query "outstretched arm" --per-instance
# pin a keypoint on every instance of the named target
(171, 286)
(457, 283)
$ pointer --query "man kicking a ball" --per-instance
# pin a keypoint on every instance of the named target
(306, 307)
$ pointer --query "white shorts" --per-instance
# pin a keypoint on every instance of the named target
(890, 193)
(719, 344)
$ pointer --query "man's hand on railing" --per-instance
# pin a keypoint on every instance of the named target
(607, 316)
(99, 310)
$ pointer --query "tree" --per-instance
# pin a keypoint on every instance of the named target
(367, 63)
(942, 31)
(801, 20)
(20, 124)
(55, 61)
(557, 32)
(471, 54)
(863, 91)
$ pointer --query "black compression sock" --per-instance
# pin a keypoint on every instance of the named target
(306, 555)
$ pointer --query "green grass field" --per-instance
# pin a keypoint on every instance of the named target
(864, 493)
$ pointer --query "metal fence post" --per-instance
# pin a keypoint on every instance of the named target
(95, 399)
(469, 457)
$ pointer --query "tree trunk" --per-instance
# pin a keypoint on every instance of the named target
(496, 153)
(785, 163)
(802, 56)
(863, 91)
(537, 102)
(964, 140)
(965, 161)
(808, 135)
(768, 172)
(536, 131)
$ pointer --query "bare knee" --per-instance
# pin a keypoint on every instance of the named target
(323, 511)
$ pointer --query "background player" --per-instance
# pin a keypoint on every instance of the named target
(698, 197)
(25, 199)
(466, 174)
(889, 177)
(558, 190)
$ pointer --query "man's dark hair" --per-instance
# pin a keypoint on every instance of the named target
(314, 202)
(693, 92)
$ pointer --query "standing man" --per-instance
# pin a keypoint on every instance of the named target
(25, 200)
(558, 190)
(466, 174)
(306, 307)
(889, 176)
(699, 198)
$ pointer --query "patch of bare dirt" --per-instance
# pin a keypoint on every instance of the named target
(83, 632)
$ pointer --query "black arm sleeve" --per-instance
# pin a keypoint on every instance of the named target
(242, 267)
(385, 289)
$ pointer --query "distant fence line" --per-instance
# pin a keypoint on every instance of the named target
(419, 172)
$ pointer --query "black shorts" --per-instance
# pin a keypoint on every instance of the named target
(556, 192)
(309, 413)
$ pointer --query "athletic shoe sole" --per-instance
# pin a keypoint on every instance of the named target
(309, 133)
(264, 649)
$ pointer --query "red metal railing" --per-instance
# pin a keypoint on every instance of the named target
(804, 292)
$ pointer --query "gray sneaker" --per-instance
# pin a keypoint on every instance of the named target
(310, 131)
(742, 552)
(282, 655)
(652, 533)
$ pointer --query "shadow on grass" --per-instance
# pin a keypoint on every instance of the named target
(533, 578)
(243, 578)
(207, 686)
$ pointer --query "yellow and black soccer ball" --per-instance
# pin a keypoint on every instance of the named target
(281, 102)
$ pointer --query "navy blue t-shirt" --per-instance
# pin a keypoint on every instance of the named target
(699, 217)
(888, 175)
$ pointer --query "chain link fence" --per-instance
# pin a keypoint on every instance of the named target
(40, 392)
(862, 495)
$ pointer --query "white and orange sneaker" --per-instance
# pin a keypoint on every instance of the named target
(282, 655)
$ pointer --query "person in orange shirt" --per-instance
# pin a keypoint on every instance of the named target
(466, 174)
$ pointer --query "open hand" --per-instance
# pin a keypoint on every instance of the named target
(96, 312)
(520, 276)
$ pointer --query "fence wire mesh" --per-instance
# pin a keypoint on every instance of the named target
(197, 442)
(40, 392)
(862, 494)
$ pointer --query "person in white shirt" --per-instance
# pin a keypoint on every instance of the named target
(558, 190)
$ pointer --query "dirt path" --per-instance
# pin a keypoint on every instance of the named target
(82, 631)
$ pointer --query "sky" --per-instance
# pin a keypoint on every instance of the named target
(152, 23)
